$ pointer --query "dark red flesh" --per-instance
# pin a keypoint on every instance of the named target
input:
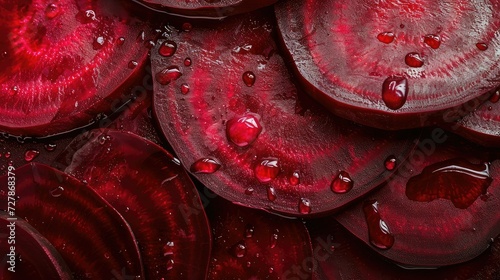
(33, 256)
(153, 193)
(276, 149)
(64, 63)
(91, 236)
(343, 51)
(440, 208)
(249, 244)
(207, 8)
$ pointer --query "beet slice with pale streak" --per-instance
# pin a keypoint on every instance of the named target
(228, 106)
(91, 236)
(393, 64)
(250, 244)
(64, 62)
(152, 192)
(33, 258)
(440, 208)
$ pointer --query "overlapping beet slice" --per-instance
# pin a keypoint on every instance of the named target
(228, 106)
(33, 256)
(94, 240)
(152, 192)
(249, 244)
(440, 209)
(64, 62)
(393, 64)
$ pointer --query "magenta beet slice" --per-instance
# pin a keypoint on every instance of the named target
(249, 244)
(393, 64)
(33, 256)
(207, 8)
(340, 255)
(152, 192)
(440, 208)
(64, 63)
(90, 235)
(263, 142)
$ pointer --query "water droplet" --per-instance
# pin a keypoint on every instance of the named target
(187, 62)
(401, 26)
(304, 206)
(390, 163)
(495, 97)
(342, 183)
(295, 178)
(185, 88)
(205, 166)
(482, 46)
(170, 264)
(249, 264)
(249, 231)
(86, 16)
(267, 169)
(168, 75)
(106, 255)
(386, 37)
(249, 191)
(168, 249)
(414, 59)
(52, 11)
(30, 155)
(240, 249)
(271, 270)
(186, 27)
(249, 78)
(57, 192)
(243, 131)
(50, 147)
(271, 194)
(98, 43)
(167, 48)
(394, 92)
(7, 154)
(274, 240)
(490, 108)
(121, 41)
(433, 41)
(149, 44)
(379, 234)
(132, 64)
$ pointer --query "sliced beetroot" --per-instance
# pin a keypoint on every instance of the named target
(64, 63)
(207, 8)
(440, 208)
(94, 240)
(393, 64)
(32, 257)
(249, 244)
(340, 255)
(152, 192)
(265, 144)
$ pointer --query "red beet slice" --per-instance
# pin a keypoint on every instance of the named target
(440, 208)
(266, 144)
(340, 255)
(207, 8)
(393, 64)
(64, 63)
(90, 235)
(249, 244)
(33, 256)
(153, 193)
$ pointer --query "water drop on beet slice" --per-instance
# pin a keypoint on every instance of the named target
(81, 225)
(152, 192)
(272, 251)
(35, 257)
(441, 205)
(263, 134)
(65, 69)
(343, 63)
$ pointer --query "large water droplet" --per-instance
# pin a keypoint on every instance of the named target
(205, 166)
(414, 59)
(379, 234)
(52, 10)
(168, 249)
(168, 75)
(342, 183)
(386, 37)
(30, 155)
(304, 206)
(433, 41)
(249, 78)
(57, 192)
(390, 163)
(394, 92)
(167, 48)
(267, 169)
(244, 130)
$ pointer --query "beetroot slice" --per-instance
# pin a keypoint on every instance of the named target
(64, 63)
(340, 255)
(249, 244)
(90, 235)
(153, 193)
(269, 145)
(207, 8)
(33, 256)
(393, 64)
(441, 207)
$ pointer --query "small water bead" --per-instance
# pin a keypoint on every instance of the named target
(7, 154)
(50, 147)
(205, 166)
(414, 59)
(168, 249)
(432, 40)
(490, 108)
(271, 194)
(249, 78)
(186, 27)
(168, 75)
(249, 191)
(120, 41)
(132, 64)
(184, 88)
(267, 169)
(379, 234)
(98, 43)
(395, 92)
(170, 264)
(31, 154)
(390, 163)
(482, 46)
(167, 48)
(342, 183)
(274, 240)
(244, 130)
(304, 206)
(52, 11)
(495, 97)
(240, 250)
(187, 62)
(249, 231)
(149, 44)
(87, 16)
(57, 192)
(386, 37)
(295, 178)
